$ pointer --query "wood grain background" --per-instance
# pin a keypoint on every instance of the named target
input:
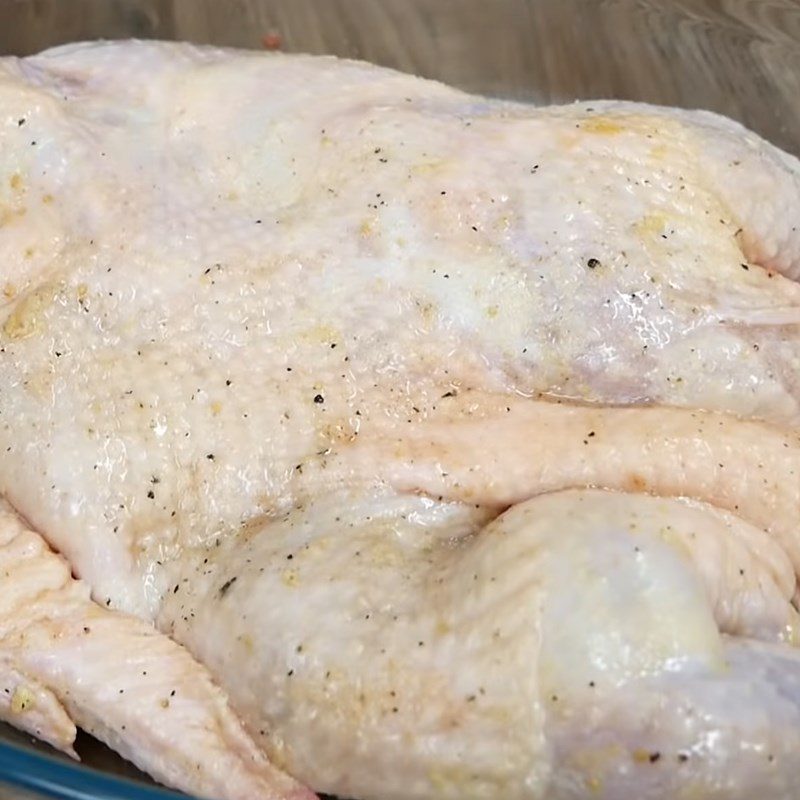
(738, 57)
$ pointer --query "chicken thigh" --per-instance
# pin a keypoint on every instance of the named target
(455, 440)
(400, 648)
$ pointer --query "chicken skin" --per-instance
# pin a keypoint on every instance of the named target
(427, 446)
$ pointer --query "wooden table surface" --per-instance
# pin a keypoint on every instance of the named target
(738, 57)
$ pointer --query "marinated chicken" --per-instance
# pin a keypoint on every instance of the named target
(365, 437)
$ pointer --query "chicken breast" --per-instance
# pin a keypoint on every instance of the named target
(404, 412)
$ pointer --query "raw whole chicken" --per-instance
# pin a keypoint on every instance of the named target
(364, 437)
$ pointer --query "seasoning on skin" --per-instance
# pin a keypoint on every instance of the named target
(593, 263)
(22, 700)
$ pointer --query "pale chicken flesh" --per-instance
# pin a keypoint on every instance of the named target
(415, 445)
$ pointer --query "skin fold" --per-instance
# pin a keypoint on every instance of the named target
(372, 416)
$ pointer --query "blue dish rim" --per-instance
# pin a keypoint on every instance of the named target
(25, 768)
